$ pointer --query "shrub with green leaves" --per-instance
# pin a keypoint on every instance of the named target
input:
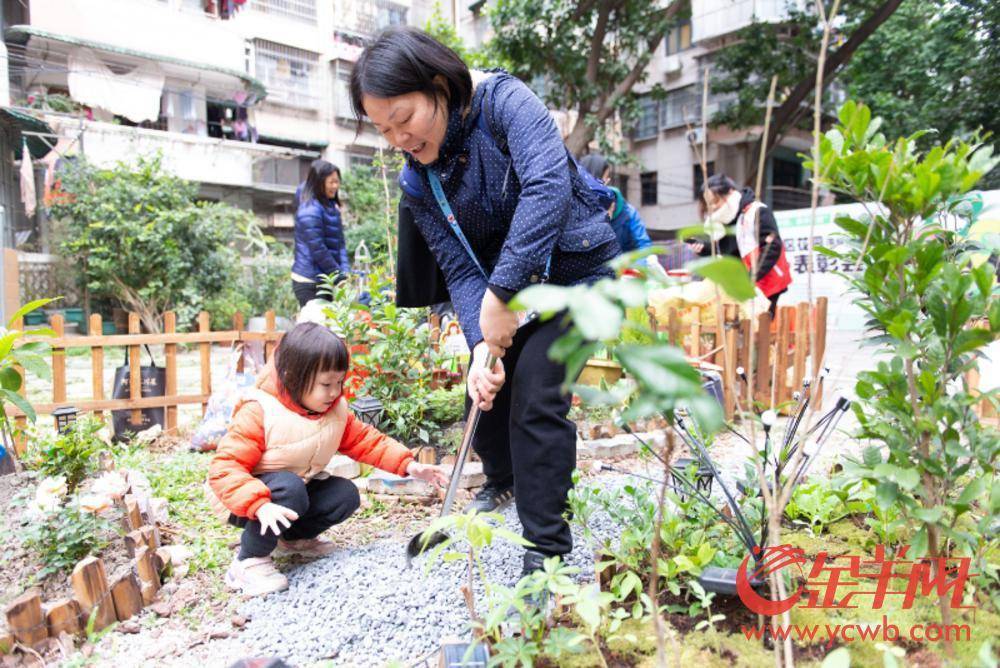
(28, 356)
(74, 454)
(933, 310)
(446, 406)
(137, 235)
(64, 536)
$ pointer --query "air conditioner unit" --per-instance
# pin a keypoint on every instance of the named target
(672, 64)
(694, 136)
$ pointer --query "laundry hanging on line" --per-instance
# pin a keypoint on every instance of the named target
(134, 95)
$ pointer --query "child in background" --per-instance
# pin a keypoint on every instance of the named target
(268, 475)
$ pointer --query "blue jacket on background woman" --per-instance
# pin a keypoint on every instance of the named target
(320, 248)
(501, 205)
(624, 219)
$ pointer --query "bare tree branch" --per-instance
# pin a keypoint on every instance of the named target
(790, 109)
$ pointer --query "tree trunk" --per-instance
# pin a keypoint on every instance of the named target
(790, 109)
(582, 133)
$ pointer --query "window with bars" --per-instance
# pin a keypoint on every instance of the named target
(390, 14)
(291, 75)
(679, 37)
(680, 107)
(699, 179)
(646, 128)
(298, 10)
(648, 184)
(342, 92)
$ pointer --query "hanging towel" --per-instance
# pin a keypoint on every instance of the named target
(28, 196)
(134, 95)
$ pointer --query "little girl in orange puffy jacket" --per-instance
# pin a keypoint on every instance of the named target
(269, 472)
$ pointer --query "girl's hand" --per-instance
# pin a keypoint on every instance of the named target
(696, 246)
(271, 516)
(428, 473)
(484, 383)
(497, 323)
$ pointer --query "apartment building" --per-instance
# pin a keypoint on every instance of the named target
(237, 95)
(665, 183)
(666, 174)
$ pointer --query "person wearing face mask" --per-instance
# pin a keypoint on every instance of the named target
(624, 219)
(494, 201)
(320, 247)
(744, 228)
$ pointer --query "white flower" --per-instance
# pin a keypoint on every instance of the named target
(149, 435)
(769, 418)
(53, 485)
(94, 503)
(111, 484)
(48, 496)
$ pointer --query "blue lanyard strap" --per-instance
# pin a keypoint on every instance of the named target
(453, 222)
(450, 217)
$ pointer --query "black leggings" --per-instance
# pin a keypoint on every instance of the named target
(319, 503)
(526, 436)
(306, 292)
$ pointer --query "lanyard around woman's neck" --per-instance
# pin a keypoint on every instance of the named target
(449, 215)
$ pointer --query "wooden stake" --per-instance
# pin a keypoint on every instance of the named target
(58, 362)
(150, 536)
(819, 350)
(133, 541)
(133, 516)
(170, 353)
(96, 362)
(134, 369)
(779, 391)
(206, 360)
(762, 380)
(801, 345)
(674, 327)
(728, 341)
(90, 587)
(149, 576)
(26, 620)
(64, 617)
(238, 326)
(161, 559)
(127, 596)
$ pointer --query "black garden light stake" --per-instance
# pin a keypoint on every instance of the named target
(368, 410)
(723, 580)
(65, 416)
(702, 482)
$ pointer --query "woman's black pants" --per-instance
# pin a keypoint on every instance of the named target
(526, 436)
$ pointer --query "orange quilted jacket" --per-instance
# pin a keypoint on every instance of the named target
(230, 475)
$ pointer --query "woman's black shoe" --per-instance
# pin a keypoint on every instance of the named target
(492, 497)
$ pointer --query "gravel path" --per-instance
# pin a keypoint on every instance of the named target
(361, 607)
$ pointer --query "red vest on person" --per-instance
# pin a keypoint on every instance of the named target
(780, 276)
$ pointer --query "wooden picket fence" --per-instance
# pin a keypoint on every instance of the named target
(777, 354)
(204, 338)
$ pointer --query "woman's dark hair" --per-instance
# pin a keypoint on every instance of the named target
(307, 350)
(720, 185)
(315, 186)
(596, 164)
(404, 59)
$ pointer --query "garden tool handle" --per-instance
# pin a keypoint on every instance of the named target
(463, 450)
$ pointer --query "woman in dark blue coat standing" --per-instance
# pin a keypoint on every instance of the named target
(501, 205)
(320, 249)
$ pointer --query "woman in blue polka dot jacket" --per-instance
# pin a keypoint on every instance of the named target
(501, 205)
